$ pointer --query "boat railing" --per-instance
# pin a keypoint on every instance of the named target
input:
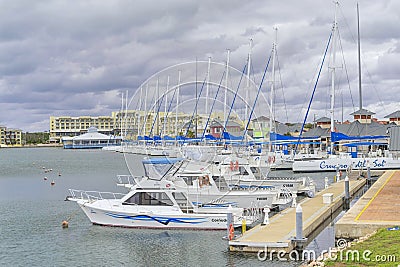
(93, 195)
(128, 180)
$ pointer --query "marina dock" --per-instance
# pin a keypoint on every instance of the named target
(377, 208)
(278, 234)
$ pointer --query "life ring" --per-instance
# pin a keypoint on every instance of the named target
(273, 159)
(231, 232)
(200, 181)
(231, 166)
(269, 159)
(237, 165)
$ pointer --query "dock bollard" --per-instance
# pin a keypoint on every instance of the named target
(243, 225)
(266, 216)
(326, 182)
(338, 174)
(294, 201)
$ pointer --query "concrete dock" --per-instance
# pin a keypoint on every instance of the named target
(278, 233)
(379, 207)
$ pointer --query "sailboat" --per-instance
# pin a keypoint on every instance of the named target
(349, 160)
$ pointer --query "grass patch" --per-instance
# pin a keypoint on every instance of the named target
(381, 249)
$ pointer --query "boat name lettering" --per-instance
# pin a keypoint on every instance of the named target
(377, 163)
(324, 166)
(218, 220)
(262, 198)
(287, 185)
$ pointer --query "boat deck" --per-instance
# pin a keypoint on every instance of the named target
(377, 208)
(281, 228)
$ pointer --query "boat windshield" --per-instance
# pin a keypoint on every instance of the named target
(157, 168)
(149, 199)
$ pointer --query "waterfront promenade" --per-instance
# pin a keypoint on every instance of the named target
(379, 207)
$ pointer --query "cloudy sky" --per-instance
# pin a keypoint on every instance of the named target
(60, 57)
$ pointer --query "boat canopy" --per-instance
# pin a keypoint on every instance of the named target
(335, 137)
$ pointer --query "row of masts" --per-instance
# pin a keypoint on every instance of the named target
(143, 101)
(247, 87)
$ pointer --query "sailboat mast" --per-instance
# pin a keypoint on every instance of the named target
(226, 82)
(164, 129)
(177, 104)
(359, 57)
(333, 69)
(208, 83)
(271, 117)
(120, 117)
(246, 113)
(139, 111)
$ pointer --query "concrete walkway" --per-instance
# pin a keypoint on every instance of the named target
(379, 207)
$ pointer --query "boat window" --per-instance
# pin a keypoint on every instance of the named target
(149, 198)
(189, 179)
(243, 171)
(180, 199)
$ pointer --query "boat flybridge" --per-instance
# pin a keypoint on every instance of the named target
(239, 172)
(203, 190)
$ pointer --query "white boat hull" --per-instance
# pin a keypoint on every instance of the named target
(130, 216)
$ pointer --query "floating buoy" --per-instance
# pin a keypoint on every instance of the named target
(52, 183)
(59, 173)
(45, 178)
(64, 224)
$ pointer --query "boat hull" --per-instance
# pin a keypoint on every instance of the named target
(130, 216)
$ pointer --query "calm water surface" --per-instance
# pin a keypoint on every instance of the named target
(31, 212)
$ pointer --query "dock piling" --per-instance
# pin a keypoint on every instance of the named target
(326, 182)
(299, 222)
(346, 193)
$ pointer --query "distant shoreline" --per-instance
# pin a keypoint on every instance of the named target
(34, 146)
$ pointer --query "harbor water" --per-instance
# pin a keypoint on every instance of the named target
(32, 210)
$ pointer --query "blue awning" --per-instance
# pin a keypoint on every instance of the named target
(161, 160)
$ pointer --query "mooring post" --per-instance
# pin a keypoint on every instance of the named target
(337, 178)
(299, 240)
(299, 222)
(294, 200)
(346, 192)
(326, 182)
(368, 171)
(266, 216)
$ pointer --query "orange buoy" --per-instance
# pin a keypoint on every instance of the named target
(64, 224)
(52, 183)
(231, 232)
